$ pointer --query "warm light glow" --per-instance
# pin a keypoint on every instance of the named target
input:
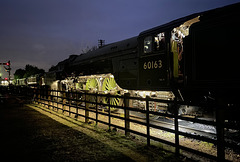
(5, 82)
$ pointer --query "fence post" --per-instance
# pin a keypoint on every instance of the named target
(55, 96)
(70, 102)
(176, 127)
(49, 97)
(63, 101)
(147, 120)
(32, 91)
(109, 112)
(126, 113)
(45, 93)
(96, 95)
(77, 104)
(39, 96)
(86, 108)
(220, 134)
(34, 95)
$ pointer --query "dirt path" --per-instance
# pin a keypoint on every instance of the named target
(29, 135)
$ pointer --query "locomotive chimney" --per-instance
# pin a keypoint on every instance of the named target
(101, 43)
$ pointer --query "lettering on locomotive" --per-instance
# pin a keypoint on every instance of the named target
(152, 65)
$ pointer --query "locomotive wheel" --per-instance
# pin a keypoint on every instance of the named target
(110, 85)
(79, 86)
(91, 85)
(182, 110)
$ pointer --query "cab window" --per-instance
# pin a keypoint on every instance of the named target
(159, 42)
(155, 43)
(148, 44)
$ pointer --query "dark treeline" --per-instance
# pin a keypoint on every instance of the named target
(27, 72)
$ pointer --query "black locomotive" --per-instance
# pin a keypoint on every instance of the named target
(193, 59)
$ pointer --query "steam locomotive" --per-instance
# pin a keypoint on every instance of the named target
(191, 59)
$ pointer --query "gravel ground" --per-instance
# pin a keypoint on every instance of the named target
(29, 135)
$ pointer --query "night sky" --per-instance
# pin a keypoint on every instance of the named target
(44, 32)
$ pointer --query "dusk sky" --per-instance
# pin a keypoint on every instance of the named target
(45, 32)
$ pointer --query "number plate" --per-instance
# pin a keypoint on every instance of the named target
(153, 72)
(157, 64)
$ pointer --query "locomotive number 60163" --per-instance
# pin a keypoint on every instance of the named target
(152, 65)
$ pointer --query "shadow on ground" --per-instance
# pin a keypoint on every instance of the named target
(28, 135)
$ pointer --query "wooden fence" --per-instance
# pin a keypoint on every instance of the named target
(84, 104)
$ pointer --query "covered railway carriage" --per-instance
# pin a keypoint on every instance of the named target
(187, 59)
(32, 81)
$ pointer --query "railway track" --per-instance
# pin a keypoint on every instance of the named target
(169, 123)
(193, 128)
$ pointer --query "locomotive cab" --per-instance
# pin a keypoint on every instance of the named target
(161, 54)
(153, 64)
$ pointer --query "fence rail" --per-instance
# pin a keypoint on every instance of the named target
(89, 106)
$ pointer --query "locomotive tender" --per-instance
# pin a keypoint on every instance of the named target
(194, 58)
